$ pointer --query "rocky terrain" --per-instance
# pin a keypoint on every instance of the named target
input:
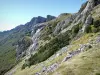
(65, 45)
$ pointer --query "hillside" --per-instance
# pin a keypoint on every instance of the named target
(65, 45)
(9, 39)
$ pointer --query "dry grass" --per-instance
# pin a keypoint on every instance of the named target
(87, 63)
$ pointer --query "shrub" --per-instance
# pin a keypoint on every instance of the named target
(96, 23)
(76, 29)
(28, 33)
(88, 29)
(23, 67)
(94, 29)
(97, 73)
(50, 48)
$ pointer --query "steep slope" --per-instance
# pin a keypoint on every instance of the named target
(9, 39)
(63, 46)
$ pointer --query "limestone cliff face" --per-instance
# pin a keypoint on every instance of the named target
(83, 16)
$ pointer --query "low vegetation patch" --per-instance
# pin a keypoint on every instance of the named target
(93, 28)
(50, 48)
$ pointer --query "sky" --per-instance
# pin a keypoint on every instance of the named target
(16, 12)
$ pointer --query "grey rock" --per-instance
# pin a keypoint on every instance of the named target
(52, 68)
(44, 69)
(98, 39)
(38, 19)
(76, 52)
(88, 22)
(22, 46)
(49, 17)
(63, 24)
(37, 73)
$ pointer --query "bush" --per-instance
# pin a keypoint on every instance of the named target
(96, 23)
(28, 33)
(50, 48)
(94, 29)
(23, 67)
(88, 29)
(76, 29)
(97, 73)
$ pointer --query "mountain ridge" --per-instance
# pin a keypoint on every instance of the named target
(8, 40)
(64, 45)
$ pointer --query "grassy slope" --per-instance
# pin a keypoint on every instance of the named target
(83, 64)
(7, 50)
(86, 63)
(7, 55)
(62, 17)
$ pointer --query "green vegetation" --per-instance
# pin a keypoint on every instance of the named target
(83, 64)
(26, 40)
(50, 48)
(28, 33)
(96, 23)
(48, 30)
(76, 29)
(59, 41)
(93, 28)
(88, 29)
(7, 57)
(8, 40)
(97, 73)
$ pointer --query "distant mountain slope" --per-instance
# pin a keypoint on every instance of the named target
(9, 39)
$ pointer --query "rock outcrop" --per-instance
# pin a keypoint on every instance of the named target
(22, 45)
(49, 17)
(33, 28)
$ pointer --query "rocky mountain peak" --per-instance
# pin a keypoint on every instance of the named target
(49, 17)
(38, 19)
(90, 5)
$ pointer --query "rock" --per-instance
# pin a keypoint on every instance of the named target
(44, 69)
(38, 19)
(52, 68)
(98, 39)
(84, 16)
(58, 54)
(49, 17)
(66, 58)
(73, 53)
(22, 46)
(63, 24)
(37, 73)
(88, 22)
(83, 7)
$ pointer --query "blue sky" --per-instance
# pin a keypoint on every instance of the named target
(16, 12)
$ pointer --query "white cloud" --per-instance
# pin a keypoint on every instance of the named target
(6, 27)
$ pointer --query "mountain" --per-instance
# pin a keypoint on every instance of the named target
(65, 45)
(9, 39)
